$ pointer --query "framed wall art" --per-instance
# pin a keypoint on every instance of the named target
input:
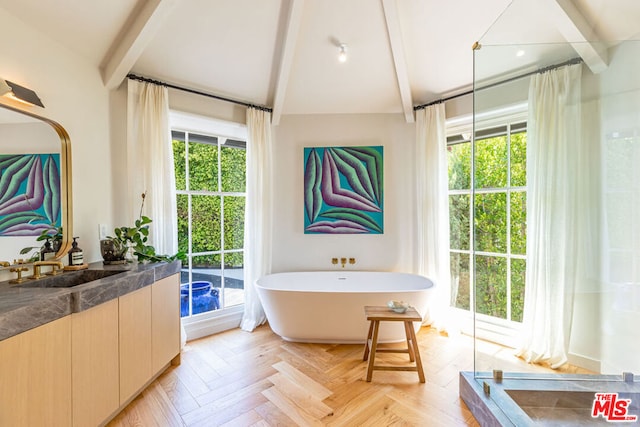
(343, 190)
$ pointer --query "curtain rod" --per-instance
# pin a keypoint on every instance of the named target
(197, 92)
(469, 92)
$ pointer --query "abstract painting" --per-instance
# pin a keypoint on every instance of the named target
(343, 190)
(30, 200)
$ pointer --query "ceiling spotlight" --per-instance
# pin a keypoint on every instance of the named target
(342, 52)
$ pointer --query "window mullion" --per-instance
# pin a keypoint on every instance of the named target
(472, 225)
(222, 248)
(508, 205)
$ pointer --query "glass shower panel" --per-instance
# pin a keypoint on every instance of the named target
(592, 196)
(602, 296)
(604, 301)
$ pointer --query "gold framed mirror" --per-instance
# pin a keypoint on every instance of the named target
(23, 132)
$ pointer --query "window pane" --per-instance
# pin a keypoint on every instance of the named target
(204, 289)
(491, 162)
(518, 275)
(179, 160)
(459, 164)
(182, 202)
(203, 166)
(460, 283)
(491, 222)
(233, 222)
(519, 222)
(519, 159)
(233, 279)
(233, 166)
(459, 211)
(205, 226)
(491, 286)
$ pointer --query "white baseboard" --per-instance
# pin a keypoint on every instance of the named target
(584, 362)
(198, 327)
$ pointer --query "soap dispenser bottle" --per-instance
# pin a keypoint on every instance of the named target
(47, 252)
(76, 256)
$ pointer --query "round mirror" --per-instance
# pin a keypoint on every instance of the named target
(35, 184)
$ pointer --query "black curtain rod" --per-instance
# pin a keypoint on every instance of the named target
(197, 92)
(469, 92)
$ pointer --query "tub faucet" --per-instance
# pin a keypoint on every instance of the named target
(343, 261)
(4, 264)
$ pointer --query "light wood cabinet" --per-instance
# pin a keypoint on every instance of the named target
(35, 376)
(165, 322)
(135, 341)
(80, 369)
(95, 364)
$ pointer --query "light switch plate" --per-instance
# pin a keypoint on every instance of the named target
(102, 231)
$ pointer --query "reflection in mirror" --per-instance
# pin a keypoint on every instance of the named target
(34, 184)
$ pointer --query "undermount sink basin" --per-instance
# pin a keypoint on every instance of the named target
(69, 279)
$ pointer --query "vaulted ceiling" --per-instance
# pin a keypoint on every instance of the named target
(283, 53)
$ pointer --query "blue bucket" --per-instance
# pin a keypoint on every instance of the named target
(204, 297)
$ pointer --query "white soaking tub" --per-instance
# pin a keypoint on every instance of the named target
(328, 306)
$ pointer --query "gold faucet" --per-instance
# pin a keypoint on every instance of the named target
(352, 260)
(343, 261)
(18, 270)
(38, 264)
(4, 264)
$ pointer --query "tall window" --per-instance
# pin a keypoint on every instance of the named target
(488, 220)
(210, 186)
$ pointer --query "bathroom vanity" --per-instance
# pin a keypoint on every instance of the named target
(76, 356)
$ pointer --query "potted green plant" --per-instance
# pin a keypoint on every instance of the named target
(52, 234)
(129, 242)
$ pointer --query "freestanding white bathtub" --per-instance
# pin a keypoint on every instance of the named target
(328, 306)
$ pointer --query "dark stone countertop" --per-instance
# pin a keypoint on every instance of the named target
(26, 307)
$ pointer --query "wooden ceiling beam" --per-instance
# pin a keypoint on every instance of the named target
(580, 34)
(289, 41)
(397, 50)
(138, 31)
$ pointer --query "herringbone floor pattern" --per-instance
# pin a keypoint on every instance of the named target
(238, 378)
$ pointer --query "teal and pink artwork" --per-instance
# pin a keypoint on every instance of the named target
(343, 191)
(29, 194)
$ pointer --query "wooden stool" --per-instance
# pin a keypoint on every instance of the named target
(377, 314)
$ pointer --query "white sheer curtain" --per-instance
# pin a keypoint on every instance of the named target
(555, 180)
(433, 210)
(150, 163)
(258, 214)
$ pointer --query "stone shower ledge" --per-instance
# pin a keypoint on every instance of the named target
(23, 308)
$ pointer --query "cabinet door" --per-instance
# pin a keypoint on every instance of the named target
(165, 326)
(35, 376)
(94, 355)
(135, 341)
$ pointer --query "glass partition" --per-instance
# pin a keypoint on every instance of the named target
(551, 202)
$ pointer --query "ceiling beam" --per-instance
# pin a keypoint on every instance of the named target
(139, 30)
(289, 41)
(397, 50)
(580, 34)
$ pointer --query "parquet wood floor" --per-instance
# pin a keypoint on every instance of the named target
(238, 378)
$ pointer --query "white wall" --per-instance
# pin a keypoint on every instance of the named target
(391, 251)
(73, 94)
